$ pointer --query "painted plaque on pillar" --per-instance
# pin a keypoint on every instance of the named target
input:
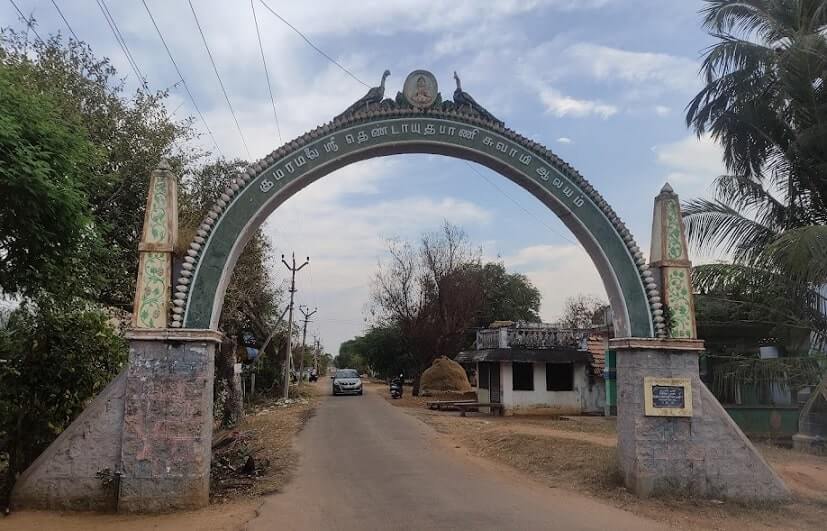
(667, 397)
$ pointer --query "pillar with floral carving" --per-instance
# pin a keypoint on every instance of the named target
(154, 285)
(670, 257)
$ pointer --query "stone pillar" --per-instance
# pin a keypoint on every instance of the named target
(669, 260)
(153, 291)
(697, 451)
(167, 423)
(673, 435)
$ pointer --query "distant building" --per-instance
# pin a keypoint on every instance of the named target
(538, 368)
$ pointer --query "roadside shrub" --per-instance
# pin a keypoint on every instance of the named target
(54, 357)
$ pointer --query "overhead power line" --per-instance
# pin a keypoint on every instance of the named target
(308, 41)
(121, 41)
(266, 72)
(181, 77)
(59, 12)
(220, 82)
(28, 20)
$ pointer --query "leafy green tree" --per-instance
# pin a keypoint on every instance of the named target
(765, 102)
(130, 132)
(349, 359)
(45, 160)
(382, 350)
(507, 296)
(57, 356)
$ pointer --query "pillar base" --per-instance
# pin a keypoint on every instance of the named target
(166, 445)
(701, 454)
(144, 443)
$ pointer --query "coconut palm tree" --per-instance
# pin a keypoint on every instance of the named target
(765, 102)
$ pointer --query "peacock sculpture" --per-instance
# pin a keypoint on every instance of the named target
(463, 99)
(374, 96)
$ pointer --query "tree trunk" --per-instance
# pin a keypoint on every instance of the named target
(233, 407)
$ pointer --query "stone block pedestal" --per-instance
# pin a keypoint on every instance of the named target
(704, 453)
(167, 422)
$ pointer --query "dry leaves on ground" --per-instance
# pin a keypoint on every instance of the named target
(258, 457)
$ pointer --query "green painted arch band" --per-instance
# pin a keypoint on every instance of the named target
(277, 178)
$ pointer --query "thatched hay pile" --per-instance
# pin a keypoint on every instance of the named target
(444, 375)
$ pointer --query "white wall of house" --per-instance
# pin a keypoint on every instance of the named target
(595, 397)
(581, 398)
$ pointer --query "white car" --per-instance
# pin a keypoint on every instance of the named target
(347, 382)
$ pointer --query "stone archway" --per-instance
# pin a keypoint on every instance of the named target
(392, 129)
(152, 426)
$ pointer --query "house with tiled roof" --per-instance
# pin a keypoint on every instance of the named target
(538, 368)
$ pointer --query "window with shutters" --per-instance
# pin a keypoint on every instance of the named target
(522, 376)
(559, 376)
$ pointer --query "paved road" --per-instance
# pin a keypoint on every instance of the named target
(367, 465)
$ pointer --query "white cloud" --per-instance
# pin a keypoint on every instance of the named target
(561, 105)
(564, 140)
(628, 76)
(559, 272)
(692, 163)
(639, 68)
(662, 110)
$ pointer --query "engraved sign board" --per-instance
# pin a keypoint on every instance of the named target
(667, 397)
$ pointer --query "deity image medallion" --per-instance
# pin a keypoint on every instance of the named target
(420, 89)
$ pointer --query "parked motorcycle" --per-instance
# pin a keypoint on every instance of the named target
(396, 387)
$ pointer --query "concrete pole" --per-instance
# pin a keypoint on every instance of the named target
(307, 317)
(293, 270)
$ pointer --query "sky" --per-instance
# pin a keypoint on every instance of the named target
(602, 83)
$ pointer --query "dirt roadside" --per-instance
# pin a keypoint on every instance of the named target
(266, 437)
(578, 453)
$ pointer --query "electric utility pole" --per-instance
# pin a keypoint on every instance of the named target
(316, 353)
(293, 270)
(307, 316)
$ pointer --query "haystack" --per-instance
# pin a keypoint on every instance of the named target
(444, 375)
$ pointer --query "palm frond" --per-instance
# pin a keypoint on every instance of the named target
(747, 17)
(731, 54)
(745, 193)
(772, 294)
(716, 225)
(802, 253)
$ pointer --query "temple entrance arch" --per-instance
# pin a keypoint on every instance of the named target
(152, 426)
(391, 129)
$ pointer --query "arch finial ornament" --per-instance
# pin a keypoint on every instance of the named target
(388, 127)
